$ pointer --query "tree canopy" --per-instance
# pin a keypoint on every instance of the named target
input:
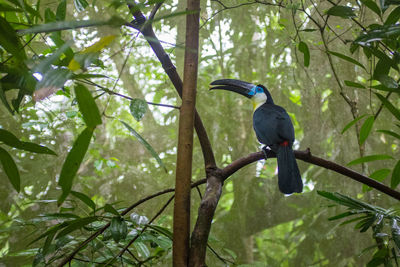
(90, 107)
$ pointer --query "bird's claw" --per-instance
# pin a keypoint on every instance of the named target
(265, 151)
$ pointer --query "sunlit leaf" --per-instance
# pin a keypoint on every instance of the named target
(145, 144)
(119, 228)
(341, 11)
(347, 58)
(366, 128)
(352, 123)
(73, 162)
(85, 199)
(395, 175)
(138, 108)
(395, 111)
(87, 106)
(10, 168)
(303, 48)
(99, 45)
(368, 159)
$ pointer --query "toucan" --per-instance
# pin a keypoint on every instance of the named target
(273, 128)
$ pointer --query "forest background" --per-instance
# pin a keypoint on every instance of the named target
(81, 74)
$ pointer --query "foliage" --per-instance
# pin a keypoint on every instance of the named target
(71, 72)
(383, 223)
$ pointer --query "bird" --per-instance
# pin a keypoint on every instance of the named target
(273, 128)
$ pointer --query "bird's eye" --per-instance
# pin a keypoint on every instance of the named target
(259, 90)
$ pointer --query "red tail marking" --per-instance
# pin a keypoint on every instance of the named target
(284, 143)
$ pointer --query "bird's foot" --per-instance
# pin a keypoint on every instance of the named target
(266, 150)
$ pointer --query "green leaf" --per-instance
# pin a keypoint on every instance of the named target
(303, 48)
(76, 224)
(73, 161)
(341, 11)
(87, 106)
(11, 140)
(68, 25)
(393, 17)
(395, 175)
(354, 84)
(9, 40)
(380, 175)
(119, 228)
(142, 249)
(61, 10)
(145, 144)
(366, 128)
(109, 208)
(395, 111)
(51, 231)
(378, 34)
(352, 123)
(368, 159)
(138, 108)
(395, 135)
(396, 233)
(7, 8)
(10, 168)
(342, 215)
(80, 5)
(373, 6)
(387, 81)
(347, 58)
(85, 199)
(161, 230)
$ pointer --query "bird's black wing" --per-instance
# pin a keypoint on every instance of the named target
(272, 125)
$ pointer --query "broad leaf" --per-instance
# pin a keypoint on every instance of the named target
(138, 108)
(373, 6)
(109, 208)
(87, 106)
(368, 159)
(9, 40)
(85, 199)
(395, 111)
(303, 48)
(76, 224)
(366, 128)
(393, 17)
(10, 168)
(341, 11)
(146, 145)
(119, 228)
(73, 162)
(61, 10)
(347, 58)
(352, 123)
(395, 175)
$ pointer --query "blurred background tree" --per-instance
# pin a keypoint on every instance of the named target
(283, 45)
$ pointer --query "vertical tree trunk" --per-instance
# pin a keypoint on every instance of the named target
(181, 235)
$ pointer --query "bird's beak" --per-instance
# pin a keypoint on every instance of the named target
(244, 88)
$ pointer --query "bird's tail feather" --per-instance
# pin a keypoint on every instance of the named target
(289, 179)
